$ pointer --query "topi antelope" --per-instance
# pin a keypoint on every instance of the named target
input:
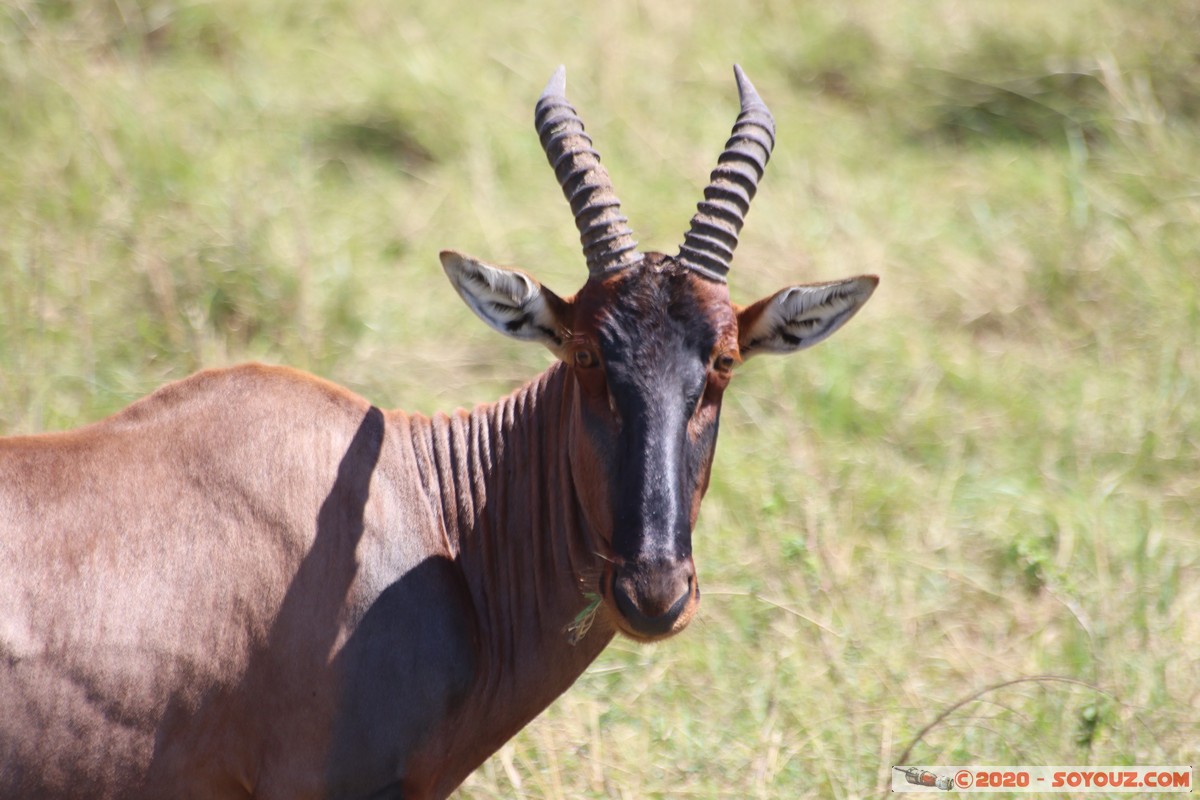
(254, 583)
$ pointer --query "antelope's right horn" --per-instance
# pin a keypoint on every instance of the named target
(608, 244)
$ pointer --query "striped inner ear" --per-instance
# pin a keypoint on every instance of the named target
(508, 300)
(801, 316)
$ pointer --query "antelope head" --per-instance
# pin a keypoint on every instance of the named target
(651, 341)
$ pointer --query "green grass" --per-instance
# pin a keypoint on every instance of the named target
(992, 474)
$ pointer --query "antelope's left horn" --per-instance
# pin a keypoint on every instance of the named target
(708, 246)
(608, 244)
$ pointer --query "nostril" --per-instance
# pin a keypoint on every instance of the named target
(681, 601)
(625, 603)
(667, 596)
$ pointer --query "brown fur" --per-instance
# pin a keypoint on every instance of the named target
(181, 584)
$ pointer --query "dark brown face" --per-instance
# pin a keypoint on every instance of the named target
(652, 350)
(651, 342)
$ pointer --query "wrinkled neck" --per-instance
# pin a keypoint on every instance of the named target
(499, 481)
(513, 522)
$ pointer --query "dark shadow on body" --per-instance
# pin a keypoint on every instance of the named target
(402, 673)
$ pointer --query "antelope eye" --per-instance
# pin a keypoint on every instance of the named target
(585, 359)
(723, 363)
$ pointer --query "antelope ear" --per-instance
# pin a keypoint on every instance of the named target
(509, 300)
(800, 316)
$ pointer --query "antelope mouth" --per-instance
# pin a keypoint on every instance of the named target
(651, 605)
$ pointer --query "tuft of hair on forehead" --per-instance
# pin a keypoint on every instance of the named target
(645, 300)
(661, 301)
(662, 263)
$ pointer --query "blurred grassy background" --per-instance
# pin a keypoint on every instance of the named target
(993, 473)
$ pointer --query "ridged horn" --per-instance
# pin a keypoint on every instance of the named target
(608, 244)
(708, 246)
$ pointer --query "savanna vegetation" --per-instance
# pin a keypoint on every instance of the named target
(963, 531)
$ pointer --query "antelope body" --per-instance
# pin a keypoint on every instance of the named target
(254, 583)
